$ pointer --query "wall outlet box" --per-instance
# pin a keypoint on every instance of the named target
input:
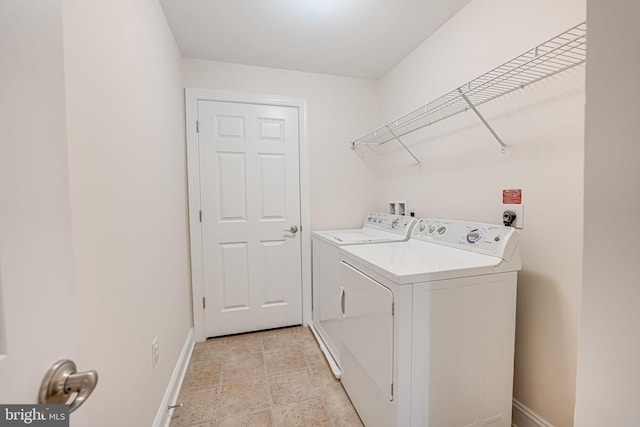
(519, 211)
(398, 207)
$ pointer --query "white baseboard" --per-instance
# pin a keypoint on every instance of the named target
(525, 417)
(173, 388)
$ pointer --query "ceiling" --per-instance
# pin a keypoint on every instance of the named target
(354, 38)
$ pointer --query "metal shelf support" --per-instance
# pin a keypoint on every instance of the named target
(403, 144)
(503, 148)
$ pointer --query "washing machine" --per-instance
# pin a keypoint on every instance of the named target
(429, 325)
(327, 295)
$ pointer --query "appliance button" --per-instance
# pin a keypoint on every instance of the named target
(441, 230)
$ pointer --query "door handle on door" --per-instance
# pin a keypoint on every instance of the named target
(61, 381)
(293, 229)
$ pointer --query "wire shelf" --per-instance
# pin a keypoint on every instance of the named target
(561, 53)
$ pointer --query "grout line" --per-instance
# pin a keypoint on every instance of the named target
(217, 409)
(267, 383)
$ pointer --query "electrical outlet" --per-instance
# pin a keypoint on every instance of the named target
(518, 210)
(155, 352)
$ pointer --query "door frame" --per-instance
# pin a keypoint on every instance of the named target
(192, 96)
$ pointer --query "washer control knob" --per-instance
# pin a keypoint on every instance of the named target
(432, 228)
(421, 228)
(441, 230)
(474, 235)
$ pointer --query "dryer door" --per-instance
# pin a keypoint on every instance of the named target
(367, 339)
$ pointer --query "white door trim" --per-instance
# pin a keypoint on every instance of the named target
(192, 96)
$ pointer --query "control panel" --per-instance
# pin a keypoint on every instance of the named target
(489, 239)
(399, 224)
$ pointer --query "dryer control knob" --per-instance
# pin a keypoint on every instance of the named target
(474, 236)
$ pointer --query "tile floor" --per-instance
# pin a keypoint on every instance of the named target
(271, 378)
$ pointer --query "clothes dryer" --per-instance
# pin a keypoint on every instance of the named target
(327, 294)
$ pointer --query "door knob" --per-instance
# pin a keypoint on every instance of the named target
(293, 229)
(61, 381)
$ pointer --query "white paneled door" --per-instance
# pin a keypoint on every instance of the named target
(250, 201)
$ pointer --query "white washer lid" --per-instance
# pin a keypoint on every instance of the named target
(416, 261)
(358, 236)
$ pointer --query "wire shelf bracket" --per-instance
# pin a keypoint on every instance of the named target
(554, 56)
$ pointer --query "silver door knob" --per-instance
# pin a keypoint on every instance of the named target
(62, 381)
(293, 229)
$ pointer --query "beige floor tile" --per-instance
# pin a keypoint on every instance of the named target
(296, 335)
(278, 331)
(209, 349)
(200, 405)
(284, 359)
(203, 374)
(325, 380)
(244, 343)
(242, 366)
(313, 354)
(306, 413)
(259, 419)
(244, 396)
(339, 407)
(303, 335)
(276, 341)
(351, 420)
(292, 386)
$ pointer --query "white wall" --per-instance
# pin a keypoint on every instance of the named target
(343, 188)
(463, 173)
(608, 388)
(36, 253)
(128, 200)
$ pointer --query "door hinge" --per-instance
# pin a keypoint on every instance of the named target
(200, 216)
(197, 126)
(204, 303)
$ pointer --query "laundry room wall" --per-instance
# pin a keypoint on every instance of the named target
(608, 385)
(128, 201)
(463, 173)
(343, 189)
